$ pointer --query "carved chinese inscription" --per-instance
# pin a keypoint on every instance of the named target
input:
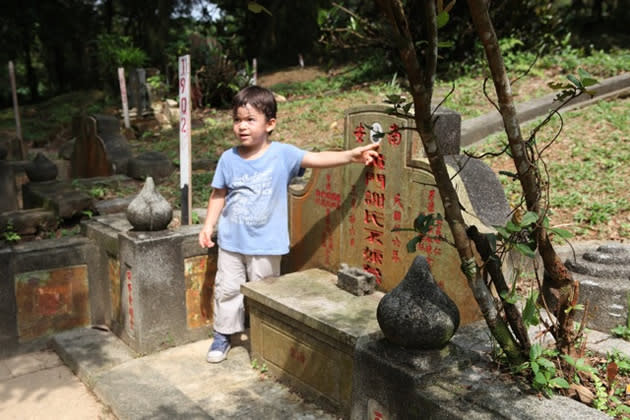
(350, 214)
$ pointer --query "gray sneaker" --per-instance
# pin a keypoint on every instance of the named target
(219, 349)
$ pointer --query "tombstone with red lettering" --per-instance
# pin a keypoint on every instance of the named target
(352, 214)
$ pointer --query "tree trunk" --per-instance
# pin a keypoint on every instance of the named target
(559, 289)
(421, 86)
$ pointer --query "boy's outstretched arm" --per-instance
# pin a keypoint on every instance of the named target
(215, 206)
(362, 154)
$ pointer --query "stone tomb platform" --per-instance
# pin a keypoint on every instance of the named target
(390, 382)
(305, 329)
(326, 344)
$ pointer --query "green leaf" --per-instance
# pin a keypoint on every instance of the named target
(509, 296)
(559, 85)
(399, 229)
(574, 80)
(539, 378)
(512, 227)
(509, 174)
(530, 312)
(570, 360)
(503, 232)
(589, 82)
(525, 250)
(442, 19)
(446, 44)
(492, 241)
(535, 367)
(535, 351)
(529, 218)
(562, 233)
(394, 99)
(353, 23)
(559, 383)
(413, 244)
(256, 7)
(547, 364)
(584, 74)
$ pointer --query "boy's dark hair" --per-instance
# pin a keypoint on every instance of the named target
(258, 97)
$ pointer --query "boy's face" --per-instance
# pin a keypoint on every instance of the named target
(251, 126)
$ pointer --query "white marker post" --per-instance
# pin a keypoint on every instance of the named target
(254, 71)
(184, 139)
(16, 110)
(123, 95)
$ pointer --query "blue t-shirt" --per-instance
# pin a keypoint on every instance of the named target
(254, 220)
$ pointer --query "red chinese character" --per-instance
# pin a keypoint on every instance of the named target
(373, 217)
(359, 133)
(379, 162)
(395, 256)
(374, 236)
(431, 204)
(375, 271)
(374, 199)
(396, 242)
(380, 178)
(397, 215)
(397, 201)
(394, 137)
(373, 256)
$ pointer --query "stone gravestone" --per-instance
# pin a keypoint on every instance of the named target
(8, 191)
(347, 214)
(100, 148)
(138, 92)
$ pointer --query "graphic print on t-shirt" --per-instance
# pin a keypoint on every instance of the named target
(251, 196)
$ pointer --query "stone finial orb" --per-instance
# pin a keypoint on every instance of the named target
(149, 211)
(417, 314)
(41, 169)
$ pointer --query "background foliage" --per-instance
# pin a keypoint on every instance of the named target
(63, 45)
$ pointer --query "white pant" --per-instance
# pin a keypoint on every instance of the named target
(234, 269)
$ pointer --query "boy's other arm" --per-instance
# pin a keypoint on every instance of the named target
(215, 206)
(362, 154)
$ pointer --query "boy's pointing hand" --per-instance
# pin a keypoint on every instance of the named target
(365, 154)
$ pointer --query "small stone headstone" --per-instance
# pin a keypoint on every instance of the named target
(8, 190)
(149, 211)
(355, 280)
(417, 314)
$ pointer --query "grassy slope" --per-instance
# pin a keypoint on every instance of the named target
(588, 163)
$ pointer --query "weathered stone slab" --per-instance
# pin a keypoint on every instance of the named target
(302, 324)
(160, 303)
(347, 214)
(48, 286)
(59, 196)
(8, 191)
(29, 221)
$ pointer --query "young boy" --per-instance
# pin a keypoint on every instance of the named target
(249, 200)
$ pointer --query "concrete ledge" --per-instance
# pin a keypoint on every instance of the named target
(136, 391)
(91, 352)
(476, 129)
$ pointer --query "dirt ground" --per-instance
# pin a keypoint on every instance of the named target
(290, 75)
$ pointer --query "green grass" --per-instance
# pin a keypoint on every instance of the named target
(588, 165)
